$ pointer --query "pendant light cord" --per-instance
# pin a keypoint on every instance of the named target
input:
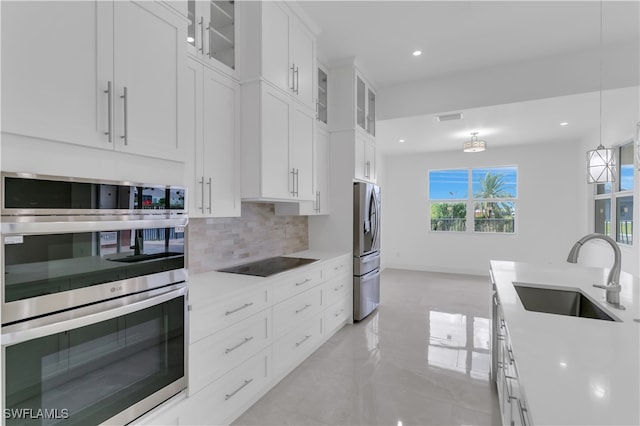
(601, 66)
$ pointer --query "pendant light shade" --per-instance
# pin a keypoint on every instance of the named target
(475, 144)
(601, 166)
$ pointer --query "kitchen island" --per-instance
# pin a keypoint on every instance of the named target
(570, 370)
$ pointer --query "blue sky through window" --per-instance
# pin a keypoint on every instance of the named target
(454, 184)
(448, 184)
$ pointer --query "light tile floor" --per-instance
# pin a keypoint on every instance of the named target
(421, 359)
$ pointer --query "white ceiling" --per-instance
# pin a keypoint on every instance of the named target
(461, 36)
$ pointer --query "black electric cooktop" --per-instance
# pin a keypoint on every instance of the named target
(270, 266)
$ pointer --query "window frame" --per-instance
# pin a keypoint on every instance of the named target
(614, 195)
(471, 200)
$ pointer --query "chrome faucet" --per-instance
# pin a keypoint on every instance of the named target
(613, 280)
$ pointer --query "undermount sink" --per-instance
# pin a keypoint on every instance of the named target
(559, 302)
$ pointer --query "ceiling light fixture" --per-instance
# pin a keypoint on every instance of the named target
(401, 141)
(564, 123)
(475, 144)
(601, 164)
(417, 52)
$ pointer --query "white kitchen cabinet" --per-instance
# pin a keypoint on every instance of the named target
(277, 145)
(213, 160)
(211, 34)
(106, 75)
(353, 100)
(280, 49)
(365, 158)
(320, 205)
(511, 397)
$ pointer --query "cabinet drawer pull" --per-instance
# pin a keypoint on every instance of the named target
(231, 349)
(297, 73)
(109, 107)
(303, 340)
(124, 97)
(338, 267)
(210, 202)
(230, 395)
(337, 314)
(233, 311)
(303, 308)
(339, 287)
(303, 282)
(293, 77)
(201, 182)
(511, 358)
(500, 337)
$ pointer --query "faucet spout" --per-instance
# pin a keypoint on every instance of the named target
(613, 280)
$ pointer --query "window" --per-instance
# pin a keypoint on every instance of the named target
(485, 197)
(613, 206)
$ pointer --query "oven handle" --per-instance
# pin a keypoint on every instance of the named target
(87, 315)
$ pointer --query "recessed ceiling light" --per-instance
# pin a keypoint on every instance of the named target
(401, 141)
(190, 39)
(564, 123)
(417, 52)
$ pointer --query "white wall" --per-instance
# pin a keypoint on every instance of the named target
(550, 188)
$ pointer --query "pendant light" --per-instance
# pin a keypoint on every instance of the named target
(601, 164)
(475, 144)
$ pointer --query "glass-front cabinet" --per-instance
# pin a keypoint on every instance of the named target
(365, 106)
(212, 29)
(321, 102)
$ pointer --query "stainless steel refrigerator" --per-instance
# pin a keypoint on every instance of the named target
(366, 249)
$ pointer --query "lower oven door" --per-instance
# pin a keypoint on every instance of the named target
(105, 363)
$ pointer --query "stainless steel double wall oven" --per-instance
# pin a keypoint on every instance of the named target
(94, 297)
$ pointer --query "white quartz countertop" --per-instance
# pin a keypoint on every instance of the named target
(208, 287)
(574, 371)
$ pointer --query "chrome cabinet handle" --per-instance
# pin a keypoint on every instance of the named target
(210, 202)
(109, 113)
(337, 314)
(233, 311)
(303, 340)
(233, 348)
(201, 34)
(125, 98)
(230, 395)
(298, 182)
(297, 73)
(201, 182)
(317, 209)
(303, 282)
(209, 28)
(339, 287)
(317, 114)
(293, 76)
(303, 308)
(293, 181)
(511, 358)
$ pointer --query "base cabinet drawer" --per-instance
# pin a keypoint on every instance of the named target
(337, 267)
(335, 316)
(297, 284)
(291, 312)
(294, 347)
(337, 289)
(229, 396)
(208, 319)
(211, 357)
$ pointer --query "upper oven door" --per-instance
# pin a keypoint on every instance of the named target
(54, 265)
(26, 194)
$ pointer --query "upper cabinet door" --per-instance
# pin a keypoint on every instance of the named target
(221, 113)
(276, 66)
(56, 68)
(211, 33)
(301, 151)
(303, 64)
(149, 64)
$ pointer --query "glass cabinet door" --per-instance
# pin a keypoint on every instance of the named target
(211, 31)
(371, 113)
(360, 103)
(321, 106)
